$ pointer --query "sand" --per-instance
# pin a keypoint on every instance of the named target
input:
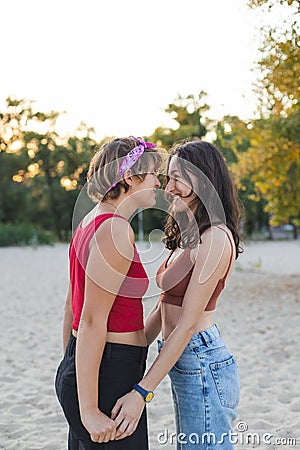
(258, 314)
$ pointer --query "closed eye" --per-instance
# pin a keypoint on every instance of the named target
(173, 177)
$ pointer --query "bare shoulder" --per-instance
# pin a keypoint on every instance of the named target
(218, 235)
(115, 235)
(116, 225)
(215, 241)
(213, 255)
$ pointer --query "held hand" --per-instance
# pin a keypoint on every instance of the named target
(100, 426)
(126, 413)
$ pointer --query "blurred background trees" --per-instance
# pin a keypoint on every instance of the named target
(272, 161)
(188, 114)
(42, 173)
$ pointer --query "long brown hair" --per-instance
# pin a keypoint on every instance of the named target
(210, 170)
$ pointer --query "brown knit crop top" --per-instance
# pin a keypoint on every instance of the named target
(181, 269)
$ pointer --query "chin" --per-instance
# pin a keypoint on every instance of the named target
(150, 201)
(151, 204)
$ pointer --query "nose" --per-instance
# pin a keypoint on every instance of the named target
(170, 185)
(157, 184)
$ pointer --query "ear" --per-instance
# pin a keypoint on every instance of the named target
(128, 177)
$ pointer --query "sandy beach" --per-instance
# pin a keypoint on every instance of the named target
(258, 315)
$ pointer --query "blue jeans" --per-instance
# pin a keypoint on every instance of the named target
(205, 388)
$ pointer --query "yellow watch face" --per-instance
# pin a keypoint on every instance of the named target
(149, 397)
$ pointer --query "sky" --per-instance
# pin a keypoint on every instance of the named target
(117, 64)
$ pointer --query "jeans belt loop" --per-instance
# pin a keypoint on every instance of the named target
(206, 338)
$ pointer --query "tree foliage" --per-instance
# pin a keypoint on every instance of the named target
(233, 139)
(40, 173)
(272, 161)
(271, 3)
(188, 114)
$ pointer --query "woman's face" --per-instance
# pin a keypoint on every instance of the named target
(144, 191)
(180, 188)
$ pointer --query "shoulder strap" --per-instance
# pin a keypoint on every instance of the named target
(102, 217)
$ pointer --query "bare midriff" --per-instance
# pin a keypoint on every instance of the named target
(170, 315)
(130, 338)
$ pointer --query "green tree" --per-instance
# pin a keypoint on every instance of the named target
(44, 173)
(189, 118)
(188, 114)
(273, 158)
(271, 3)
(233, 139)
(14, 197)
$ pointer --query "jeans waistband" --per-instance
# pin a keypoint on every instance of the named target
(206, 337)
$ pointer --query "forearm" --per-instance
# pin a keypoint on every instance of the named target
(89, 350)
(153, 324)
(68, 318)
(169, 354)
(129, 407)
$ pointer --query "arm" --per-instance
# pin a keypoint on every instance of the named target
(211, 264)
(109, 259)
(153, 323)
(68, 318)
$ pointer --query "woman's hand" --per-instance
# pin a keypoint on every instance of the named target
(126, 413)
(100, 426)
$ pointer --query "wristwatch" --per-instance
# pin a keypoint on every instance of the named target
(147, 395)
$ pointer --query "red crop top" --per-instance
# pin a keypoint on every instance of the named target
(181, 269)
(126, 313)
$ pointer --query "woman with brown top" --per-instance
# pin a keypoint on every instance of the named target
(202, 232)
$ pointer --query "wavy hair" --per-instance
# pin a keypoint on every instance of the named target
(217, 191)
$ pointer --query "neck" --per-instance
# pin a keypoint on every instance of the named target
(120, 206)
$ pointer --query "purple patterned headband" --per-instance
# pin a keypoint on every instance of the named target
(131, 158)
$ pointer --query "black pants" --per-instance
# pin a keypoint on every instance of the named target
(121, 367)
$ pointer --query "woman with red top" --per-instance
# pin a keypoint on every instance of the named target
(104, 343)
(202, 232)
